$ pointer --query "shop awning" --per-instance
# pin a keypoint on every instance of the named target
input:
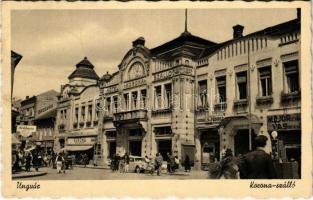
(76, 148)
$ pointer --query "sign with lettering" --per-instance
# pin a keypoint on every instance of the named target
(134, 83)
(45, 109)
(111, 89)
(26, 130)
(81, 141)
(173, 72)
(284, 122)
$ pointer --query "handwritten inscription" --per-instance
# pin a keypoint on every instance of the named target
(26, 187)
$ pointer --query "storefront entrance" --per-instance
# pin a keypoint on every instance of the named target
(134, 148)
(112, 149)
(164, 147)
(210, 146)
(242, 142)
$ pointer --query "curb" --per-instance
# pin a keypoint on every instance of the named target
(91, 167)
(28, 175)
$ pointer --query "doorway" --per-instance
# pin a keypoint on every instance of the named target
(242, 142)
(164, 147)
(135, 148)
(112, 149)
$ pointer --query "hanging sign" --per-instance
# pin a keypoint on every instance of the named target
(26, 130)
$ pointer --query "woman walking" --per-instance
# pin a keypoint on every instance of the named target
(59, 163)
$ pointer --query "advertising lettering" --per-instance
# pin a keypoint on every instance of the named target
(284, 122)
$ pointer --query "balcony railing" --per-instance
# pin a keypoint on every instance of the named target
(130, 115)
(242, 103)
(290, 97)
(264, 100)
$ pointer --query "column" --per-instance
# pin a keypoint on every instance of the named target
(162, 96)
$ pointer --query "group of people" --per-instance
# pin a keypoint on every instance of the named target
(120, 163)
(27, 159)
(256, 164)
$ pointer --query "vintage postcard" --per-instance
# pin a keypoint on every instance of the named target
(156, 99)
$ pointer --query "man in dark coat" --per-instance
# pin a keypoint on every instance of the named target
(258, 164)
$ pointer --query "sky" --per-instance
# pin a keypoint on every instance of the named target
(52, 42)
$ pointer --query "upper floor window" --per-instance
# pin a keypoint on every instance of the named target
(108, 104)
(221, 88)
(143, 98)
(241, 85)
(134, 100)
(126, 101)
(82, 118)
(115, 103)
(157, 97)
(265, 77)
(168, 95)
(76, 115)
(291, 76)
(203, 94)
(89, 116)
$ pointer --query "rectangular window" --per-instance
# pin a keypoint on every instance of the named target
(291, 76)
(61, 117)
(265, 81)
(143, 100)
(97, 111)
(221, 88)
(126, 101)
(168, 95)
(134, 100)
(157, 97)
(89, 117)
(203, 94)
(76, 115)
(82, 119)
(115, 101)
(108, 104)
(161, 131)
(241, 85)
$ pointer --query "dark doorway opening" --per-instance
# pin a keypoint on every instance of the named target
(242, 141)
(164, 147)
(135, 148)
(112, 149)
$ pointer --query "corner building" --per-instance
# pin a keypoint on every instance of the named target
(191, 96)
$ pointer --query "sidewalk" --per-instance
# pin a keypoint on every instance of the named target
(92, 166)
(24, 174)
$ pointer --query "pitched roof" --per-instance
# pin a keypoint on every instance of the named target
(84, 69)
(183, 39)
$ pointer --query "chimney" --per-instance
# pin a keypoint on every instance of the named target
(139, 41)
(299, 14)
(238, 30)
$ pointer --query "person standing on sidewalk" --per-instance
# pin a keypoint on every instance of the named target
(59, 163)
(187, 164)
(158, 162)
(126, 160)
(28, 160)
(36, 161)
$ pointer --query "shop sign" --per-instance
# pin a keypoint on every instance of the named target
(134, 83)
(173, 72)
(111, 89)
(26, 130)
(81, 141)
(284, 122)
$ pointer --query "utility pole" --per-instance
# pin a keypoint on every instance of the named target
(249, 96)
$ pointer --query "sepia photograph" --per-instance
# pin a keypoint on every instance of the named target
(156, 94)
(151, 100)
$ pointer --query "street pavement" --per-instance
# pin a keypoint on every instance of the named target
(105, 174)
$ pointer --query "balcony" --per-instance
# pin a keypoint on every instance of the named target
(220, 106)
(290, 97)
(162, 111)
(264, 100)
(240, 104)
(132, 115)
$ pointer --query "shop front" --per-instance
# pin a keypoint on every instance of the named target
(210, 146)
(288, 128)
(80, 146)
(163, 139)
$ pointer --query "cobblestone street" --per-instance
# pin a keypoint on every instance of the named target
(79, 173)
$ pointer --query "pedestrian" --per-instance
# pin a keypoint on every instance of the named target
(229, 168)
(85, 159)
(176, 162)
(187, 164)
(59, 163)
(168, 160)
(28, 160)
(158, 163)
(121, 164)
(258, 164)
(36, 161)
(172, 163)
(126, 160)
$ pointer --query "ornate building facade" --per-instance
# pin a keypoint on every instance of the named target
(191, 96)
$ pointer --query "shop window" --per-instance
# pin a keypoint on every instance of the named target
(203, 96)
(168, 95)
(221, 88)
(157, 97)
(265, 77)
(291, 77)
(126, 101)
(134, 100)
(241, 85)
(143, 99)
